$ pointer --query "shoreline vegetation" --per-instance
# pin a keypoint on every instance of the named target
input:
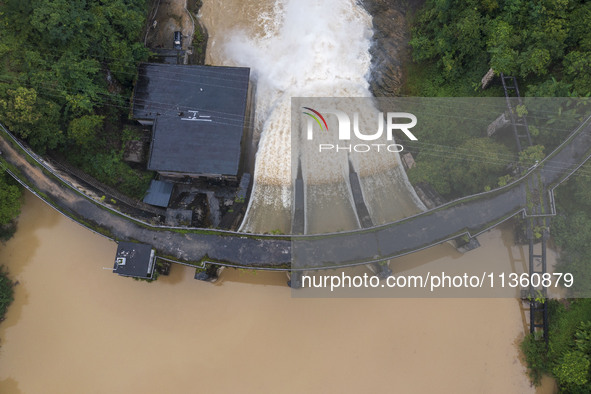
(66, 76)
(6, 292)
(547, 46)
(10, 204)
(68, 69)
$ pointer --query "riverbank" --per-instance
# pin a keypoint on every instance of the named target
(391, 52)
(73, 324)
(265, 251)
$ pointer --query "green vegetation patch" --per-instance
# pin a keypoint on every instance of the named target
(66, 81)
(6, 292)
(568, 355)
(545, 44)
(10, 196)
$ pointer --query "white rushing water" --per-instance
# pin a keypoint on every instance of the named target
(306, 48)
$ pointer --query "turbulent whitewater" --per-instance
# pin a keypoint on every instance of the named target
(305, 48)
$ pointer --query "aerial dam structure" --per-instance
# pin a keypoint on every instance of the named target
(469, 216)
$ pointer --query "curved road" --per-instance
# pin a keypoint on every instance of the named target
(471, 215)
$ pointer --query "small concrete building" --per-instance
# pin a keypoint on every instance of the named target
(200, 117)
(135, 260)
(158, 193)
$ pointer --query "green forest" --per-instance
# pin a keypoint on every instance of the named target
(546, 45)
(67, 70)
(66, 75)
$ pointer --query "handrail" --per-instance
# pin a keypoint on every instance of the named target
(40, 163)
(274, 236)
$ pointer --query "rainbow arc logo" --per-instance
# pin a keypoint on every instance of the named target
(387, 123)
(316, 115)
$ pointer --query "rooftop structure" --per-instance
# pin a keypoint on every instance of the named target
(135, 260)
(199, 115)
(159, 193)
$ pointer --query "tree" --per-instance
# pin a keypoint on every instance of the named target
(6, 292)
(501, 43)
(567, 356)
(535, 61)
(32, 118)
(83, 129)
(531, 39)
(20, 110)
(56, 53)
(572, 370)
(62, 22)
(10, 195)
(577, 65)
(531, 155)
(474, 165)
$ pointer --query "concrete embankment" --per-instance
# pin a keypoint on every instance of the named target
(470, 215)
(181, 244)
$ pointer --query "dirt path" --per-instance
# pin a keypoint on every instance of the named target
(181, 246)
(171, 16)
(350, 248)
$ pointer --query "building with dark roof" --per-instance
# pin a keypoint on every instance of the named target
(158, 193)
(135, 260)
(199, 117)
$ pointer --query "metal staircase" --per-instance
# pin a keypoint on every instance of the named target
(537, 216)
(518, 119)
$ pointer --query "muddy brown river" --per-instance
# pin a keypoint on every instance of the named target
(75, 327)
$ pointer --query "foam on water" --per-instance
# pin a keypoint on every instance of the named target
(303, 48)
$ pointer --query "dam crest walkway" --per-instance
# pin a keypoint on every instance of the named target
(469, 216)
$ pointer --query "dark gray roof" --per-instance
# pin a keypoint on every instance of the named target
(185, 147)
(167, 89)
(134, 259)
(159, 193)
(199, 114)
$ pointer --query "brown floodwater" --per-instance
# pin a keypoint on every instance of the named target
(78, 328)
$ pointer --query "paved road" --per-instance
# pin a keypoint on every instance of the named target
(471, 215)
(185, 247)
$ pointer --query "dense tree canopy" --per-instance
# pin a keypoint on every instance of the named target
(10, 195)
(545, 43)
(475, 166)
(568, 355)
(66, 77)
(61, 62)
(6, 292)
(572, 228)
